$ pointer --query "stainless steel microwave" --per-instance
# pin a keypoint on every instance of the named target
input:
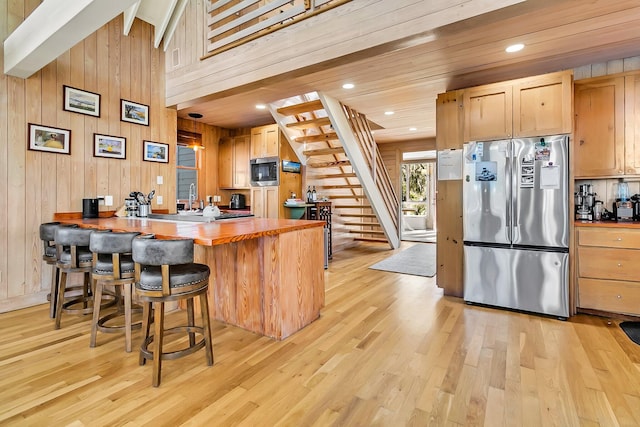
(265, 171)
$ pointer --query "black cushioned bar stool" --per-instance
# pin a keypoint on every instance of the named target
(49, 255)
(73, 256)
(112, 265)
(164, 272)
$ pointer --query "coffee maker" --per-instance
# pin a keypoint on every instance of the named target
(585, 200)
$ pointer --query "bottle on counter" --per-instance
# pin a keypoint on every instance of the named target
(314, 195)
(308, 194)
(201, 204)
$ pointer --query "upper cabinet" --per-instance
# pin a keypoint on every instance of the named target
(598, 148)
(632, 124)
(233, 162)
(533, 106)
(265, 141)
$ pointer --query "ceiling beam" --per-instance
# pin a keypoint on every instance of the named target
(54, 27)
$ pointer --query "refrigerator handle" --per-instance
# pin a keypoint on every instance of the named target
(514, 191)
(508, 185)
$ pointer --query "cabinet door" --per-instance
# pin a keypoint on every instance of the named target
(632, 124)
(225, 163)
(542, 105)
(271, 140)
(598, 147)
(271, 202)
(257, 202)
(488, 112)
(241, 148)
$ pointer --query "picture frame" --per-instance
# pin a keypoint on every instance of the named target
(81, 101)
(155, 152)
(133, 112)
(113, 147)
(49, 139)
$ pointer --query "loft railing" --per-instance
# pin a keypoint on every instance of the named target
(234, 22)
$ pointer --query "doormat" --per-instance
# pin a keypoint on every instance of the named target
(632, 329)
(419, 260)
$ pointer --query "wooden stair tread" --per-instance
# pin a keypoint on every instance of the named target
(337, 175)
(337, 163)
(340, 186)
(378, 232)
(347, 196)
(305, 107)
(350, 215)
(323, 151)
(352, 207)
(317, 138)
(308, 124)
(370, 239)
(362, 224)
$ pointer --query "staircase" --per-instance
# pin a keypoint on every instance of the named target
(342, 162)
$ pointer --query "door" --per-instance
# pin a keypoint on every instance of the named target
(486, 192)
(541, 191)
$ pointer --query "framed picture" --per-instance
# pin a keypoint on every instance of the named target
(155, 152)
(81, 101)
(53, 140)
(134, 113)
(114, 147)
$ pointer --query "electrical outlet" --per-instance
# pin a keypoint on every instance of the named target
(108, 200)
(159, 179)
(159, 200)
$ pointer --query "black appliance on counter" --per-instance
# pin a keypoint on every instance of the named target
(237, 201)
(89, 208)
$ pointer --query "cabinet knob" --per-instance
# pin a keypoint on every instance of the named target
(619, 264)
(619, 239)
(619, 171)
(582, 142)
(619, 296)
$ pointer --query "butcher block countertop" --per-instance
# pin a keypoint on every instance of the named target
(208, 234)
(608, 224)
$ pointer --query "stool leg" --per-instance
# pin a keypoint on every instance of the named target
(55, 278)
(97, 296)
(127, 316)
(62, 284)
(157, 338)
(191, 321)
(146, 321)
(206, 326)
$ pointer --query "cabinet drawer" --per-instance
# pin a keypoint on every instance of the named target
(609, 237)
(609, 295)
(608, 263)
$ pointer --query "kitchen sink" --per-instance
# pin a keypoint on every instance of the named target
(197, 216)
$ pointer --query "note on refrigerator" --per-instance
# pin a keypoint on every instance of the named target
(550, 177)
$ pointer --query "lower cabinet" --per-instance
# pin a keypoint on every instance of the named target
(607, 261)
(265, 202)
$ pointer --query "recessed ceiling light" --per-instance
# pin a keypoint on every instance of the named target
(515, 48)
(413, 129)
(388, 113)
(348, 86)
(261, 106)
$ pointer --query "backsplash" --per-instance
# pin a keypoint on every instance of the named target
(607, 189)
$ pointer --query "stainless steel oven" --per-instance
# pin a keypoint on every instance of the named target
(265, 171)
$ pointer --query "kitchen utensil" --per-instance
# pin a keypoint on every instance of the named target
(140, 198)
(150, 196)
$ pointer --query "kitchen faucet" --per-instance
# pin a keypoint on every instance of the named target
(192, 195)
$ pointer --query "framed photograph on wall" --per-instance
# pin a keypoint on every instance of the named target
(134, 113)
(52, 140)
(114, 147)
(81, 101)
(155, 152)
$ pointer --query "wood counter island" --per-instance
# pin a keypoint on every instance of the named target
(267, 274)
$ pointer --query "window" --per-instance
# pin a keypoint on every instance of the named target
(187, 160)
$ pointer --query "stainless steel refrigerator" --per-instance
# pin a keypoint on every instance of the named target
(516, 224)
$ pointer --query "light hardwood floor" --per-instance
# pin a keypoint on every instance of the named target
(389, 350)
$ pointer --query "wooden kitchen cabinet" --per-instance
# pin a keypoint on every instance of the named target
(265, 141)
(632, 124)
(233, 162)
(265, 202)
(599, 142)
(607, 269)
(532, 106)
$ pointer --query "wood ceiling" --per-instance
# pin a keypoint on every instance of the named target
(558, 34)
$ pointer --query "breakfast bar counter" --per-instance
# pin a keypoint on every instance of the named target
(267, 274)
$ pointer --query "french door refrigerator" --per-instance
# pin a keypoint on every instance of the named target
(516, 224)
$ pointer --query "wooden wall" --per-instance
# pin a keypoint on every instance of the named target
(35, 184)
(391, 153)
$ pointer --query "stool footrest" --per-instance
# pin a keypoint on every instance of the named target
(109, 329)
(87, 303)
(147, 354)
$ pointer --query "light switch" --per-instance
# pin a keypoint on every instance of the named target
(159, 179)
(108, 200)
(159, 200)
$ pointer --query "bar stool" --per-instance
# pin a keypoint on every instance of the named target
(73, 256)
(164, 272)
(112, 265)
(49, 255)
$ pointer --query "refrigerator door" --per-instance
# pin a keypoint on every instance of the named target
(528, 280)
(485, 192)
(541, 192)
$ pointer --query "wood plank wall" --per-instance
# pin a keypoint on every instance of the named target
(391, 153)
(33, 184)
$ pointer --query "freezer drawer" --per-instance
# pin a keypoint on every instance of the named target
(528, 280)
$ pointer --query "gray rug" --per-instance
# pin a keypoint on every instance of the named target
(419, 260)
